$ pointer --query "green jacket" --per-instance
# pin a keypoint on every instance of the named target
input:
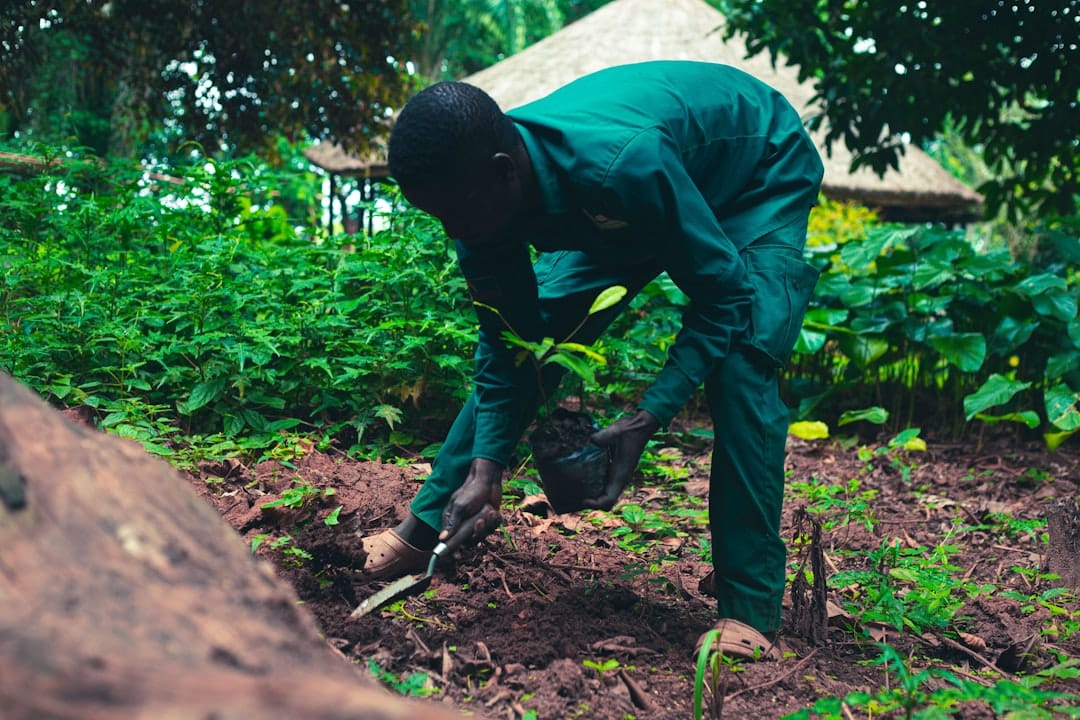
(680, 164)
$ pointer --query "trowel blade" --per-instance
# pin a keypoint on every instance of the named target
(394, 591)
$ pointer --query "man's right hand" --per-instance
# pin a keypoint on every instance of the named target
(481, 491)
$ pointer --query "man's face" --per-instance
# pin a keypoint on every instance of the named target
(474, 210)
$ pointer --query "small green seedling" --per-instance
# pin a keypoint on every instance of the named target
(602, 667)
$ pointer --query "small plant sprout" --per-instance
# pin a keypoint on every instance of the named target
(602, 666)
(296, 496)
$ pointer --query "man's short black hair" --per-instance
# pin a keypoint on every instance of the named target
(445, 131)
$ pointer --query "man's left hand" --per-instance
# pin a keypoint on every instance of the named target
(627, 439)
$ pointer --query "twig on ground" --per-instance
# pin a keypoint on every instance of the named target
(502, 576)
(971, 653)
(637, 693)
(761, 686)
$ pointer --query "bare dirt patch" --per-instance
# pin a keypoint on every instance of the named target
(521, 622)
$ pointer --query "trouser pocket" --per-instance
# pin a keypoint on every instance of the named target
(783, 285)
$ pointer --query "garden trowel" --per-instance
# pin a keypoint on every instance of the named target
(412, 584)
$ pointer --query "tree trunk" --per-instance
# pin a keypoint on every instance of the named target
(1063, 554)
(123, 594)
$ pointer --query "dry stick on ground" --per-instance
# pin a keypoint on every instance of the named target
(968, 651)
(124, 594)
(779, 678)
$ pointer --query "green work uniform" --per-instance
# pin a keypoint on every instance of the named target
(694, 169)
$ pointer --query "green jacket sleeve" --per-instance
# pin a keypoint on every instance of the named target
(649, 186)
(501, 277)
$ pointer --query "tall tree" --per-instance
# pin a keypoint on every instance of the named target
(222, 74)
(459, 37)
(896, 70)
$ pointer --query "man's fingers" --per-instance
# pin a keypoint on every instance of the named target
(487, 522)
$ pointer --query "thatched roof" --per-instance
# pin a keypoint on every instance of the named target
(626, 31)
(332, 158)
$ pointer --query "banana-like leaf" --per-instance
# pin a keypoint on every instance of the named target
(997, 390)
(1063, 407)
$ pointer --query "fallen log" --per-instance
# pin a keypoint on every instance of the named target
(125, 595)
(1063, 552)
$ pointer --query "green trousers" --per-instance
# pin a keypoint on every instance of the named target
(749, 419)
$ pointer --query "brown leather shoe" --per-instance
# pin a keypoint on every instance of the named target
(738, 640)
(387, 555)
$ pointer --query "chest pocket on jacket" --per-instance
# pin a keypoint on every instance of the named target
(783, 285)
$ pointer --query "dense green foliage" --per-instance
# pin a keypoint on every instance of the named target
(117, 75)
(201, 304)
(886, 70)
(916, 320)
(198, 308)
(922, 319)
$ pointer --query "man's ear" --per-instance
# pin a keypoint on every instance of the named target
(504, 167)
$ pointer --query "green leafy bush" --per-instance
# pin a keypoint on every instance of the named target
(198, 300)
(916, 319)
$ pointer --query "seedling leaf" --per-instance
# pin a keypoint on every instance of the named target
(607, 298)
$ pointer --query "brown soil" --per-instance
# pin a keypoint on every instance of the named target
(508, 626)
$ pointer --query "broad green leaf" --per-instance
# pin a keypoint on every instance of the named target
(858, 255)
(809, 430)
(253, 419)
(1060, 364)
(928, 304)
(233, 424)
(809, 341)
(1058, 304)
(1010, 334)
(1049, 296)
(964, 350)
(1027, 417)
(607, 298)
(876, 324)
(997, 390)
(1039, 284)
(863, 350)
(1054, 440)
(936, 272)
(1063, 407)
(825, 318)
(205, 392)
(875, 415)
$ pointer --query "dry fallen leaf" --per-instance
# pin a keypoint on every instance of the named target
(972, 641)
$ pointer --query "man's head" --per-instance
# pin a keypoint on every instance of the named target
(458, 157)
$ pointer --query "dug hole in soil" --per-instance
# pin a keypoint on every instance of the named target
(508, 626)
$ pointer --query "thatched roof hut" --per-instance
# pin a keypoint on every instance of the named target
(626, 31)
